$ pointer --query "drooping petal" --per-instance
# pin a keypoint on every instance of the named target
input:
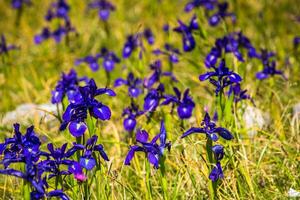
(206, 76)
(153, 160)
(58, 193)
(119, 82)
(130, 154)
(134, 92)
(184, 111)
(102, 112)
(193, 130)
(129, 123)
(261, 75)
(77, 129)
(162, 133)
(106, 91)
(224, 133)
(100, 149)
(88, 163)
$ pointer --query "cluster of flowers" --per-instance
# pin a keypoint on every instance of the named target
(83, 106)
(59, 11)
(40, 167)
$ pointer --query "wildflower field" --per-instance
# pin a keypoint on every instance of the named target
(151, 99)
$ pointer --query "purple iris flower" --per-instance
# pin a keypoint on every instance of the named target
(230, 44)
(56, 157)
(169, 51)
(104, 8)
(67, 86)
(184, 103)
(58, 9)
(238, 93)
(108, 63)
(152, 99)
(186, 31)
(269, 66)
(156, 67)
(130, 114)
(88, 159)
(222, 13)
(217, 171)
(77, 171)
(4, 47)
(33, 176)
(135, 41)
(221, 77)
(26, 149)
(134, 85)
(18, 4)
(131, 44)
(153, 151)
(17, 148)
(296, 42)
(210, 129)
(76, 113)
(149, 36)
(208, 4)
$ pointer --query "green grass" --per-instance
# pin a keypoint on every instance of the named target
(263, 167)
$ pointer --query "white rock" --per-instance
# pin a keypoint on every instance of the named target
(255, 119)
(26, 113)
(293, 193)
(296, 109)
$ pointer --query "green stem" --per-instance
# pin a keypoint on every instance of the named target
(210, 158)
(148, 183)
(163, 179)
(26, 190)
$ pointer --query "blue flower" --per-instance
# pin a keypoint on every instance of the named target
(149, 36)
(208, 4)
(185, 103)
(152, 99)
(88, 159)
(4, 47)
(104, 8)
(221, 77)
(230, 44)
(55, 158)
(17, 148)
(77, 171)
(156, 67)
(76, 113)
(210, 129)
(58, 9)
(296, 42)
(217, 171)
(134, 85)
(238, 93)
(221, 14)
(18, 4)
(131, 113)
(67, 86)
(169, 51)
(57, 34)
(269, 66)
(186, 31)
(135, 41)
(152, 150)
